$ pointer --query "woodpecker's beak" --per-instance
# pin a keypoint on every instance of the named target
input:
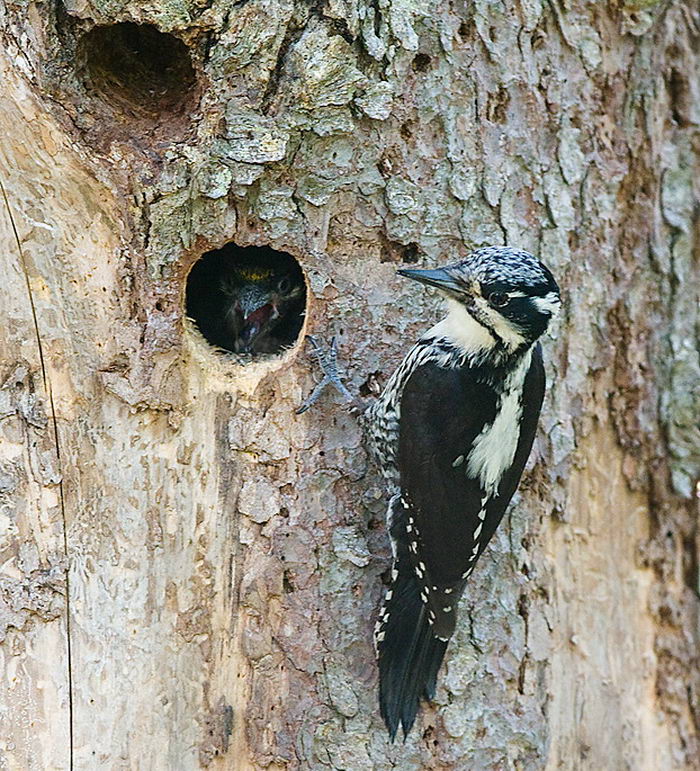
(439, 278)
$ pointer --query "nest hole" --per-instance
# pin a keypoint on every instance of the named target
(137, 70)
(247, 300)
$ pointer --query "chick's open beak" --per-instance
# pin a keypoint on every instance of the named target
(256, 310)
(254, 323)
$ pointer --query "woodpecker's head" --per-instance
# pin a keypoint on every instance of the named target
(508, 292)
(259, 298)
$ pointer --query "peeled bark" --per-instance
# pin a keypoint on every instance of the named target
(190, 572)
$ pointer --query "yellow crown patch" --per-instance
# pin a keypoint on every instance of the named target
(254, 273)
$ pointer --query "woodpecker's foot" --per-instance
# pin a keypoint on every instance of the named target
(328, 361)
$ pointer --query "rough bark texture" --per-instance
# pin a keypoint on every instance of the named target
(189, 572)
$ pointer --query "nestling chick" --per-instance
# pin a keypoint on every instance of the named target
(247, 300)
(259, 304)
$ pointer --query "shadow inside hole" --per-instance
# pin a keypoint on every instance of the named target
(247, 300)
(138, 70)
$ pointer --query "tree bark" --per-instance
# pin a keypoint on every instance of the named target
(190, 572)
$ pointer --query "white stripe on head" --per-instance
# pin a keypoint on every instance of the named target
(550, 303)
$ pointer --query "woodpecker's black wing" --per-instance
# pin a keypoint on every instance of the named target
(445, 516)
(443, 411)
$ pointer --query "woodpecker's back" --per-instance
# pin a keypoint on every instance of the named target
(452, 432)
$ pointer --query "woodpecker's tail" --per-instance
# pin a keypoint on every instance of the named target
(409, 654)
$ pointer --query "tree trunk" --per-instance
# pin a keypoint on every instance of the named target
(190, 572)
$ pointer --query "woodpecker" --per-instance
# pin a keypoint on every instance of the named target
(451, 433)
(262, 302)
(250, 303)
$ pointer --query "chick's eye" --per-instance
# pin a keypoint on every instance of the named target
(498, 299)
(284, 284)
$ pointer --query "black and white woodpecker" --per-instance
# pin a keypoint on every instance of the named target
(451, 432)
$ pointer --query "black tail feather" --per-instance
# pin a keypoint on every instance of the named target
(409, 654)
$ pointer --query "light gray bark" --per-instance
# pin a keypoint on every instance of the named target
(189, 572)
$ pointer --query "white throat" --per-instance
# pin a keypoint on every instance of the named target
(463, 330)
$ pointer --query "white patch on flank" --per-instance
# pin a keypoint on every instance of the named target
(461, 328)
(494, 448)
(550, 303)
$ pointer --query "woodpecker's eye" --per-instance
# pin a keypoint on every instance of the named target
(284, 285)
(498, 299)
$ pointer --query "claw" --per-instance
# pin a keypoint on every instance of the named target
(328, 361)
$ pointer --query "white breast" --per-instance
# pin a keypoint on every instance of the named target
(494, 448)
